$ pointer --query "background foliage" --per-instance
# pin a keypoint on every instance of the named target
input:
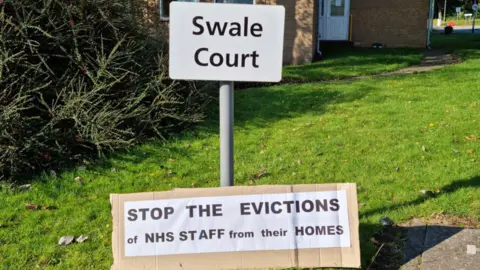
(82, 77)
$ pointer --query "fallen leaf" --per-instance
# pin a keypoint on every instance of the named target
(193, 185)
(309, 124)
(188, 146)
(78, 179)
(361, 204)
(86, 162)
(260, 174)
(470, 151)
(114, 170)
(31, 206)
(299, 162)
(66, 240)
(170, 172)
(397, 169)
(250, 182)
(424, 149)
(171, 160)
(455, 150)
(432, 124)
(471, 138)
(81, 239)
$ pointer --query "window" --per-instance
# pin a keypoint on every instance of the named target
(337, 8)
(165, 7)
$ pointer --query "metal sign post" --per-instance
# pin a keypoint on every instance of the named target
(226, 43)
(226, 134)
(475, 8)
(226, 125)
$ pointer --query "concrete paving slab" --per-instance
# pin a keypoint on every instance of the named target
(446, 248)
(413, 248)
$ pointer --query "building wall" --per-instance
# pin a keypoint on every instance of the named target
(395, 23)
(300, 29)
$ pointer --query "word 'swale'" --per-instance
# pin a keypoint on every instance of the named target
(234, 29)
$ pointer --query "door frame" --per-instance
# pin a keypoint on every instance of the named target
(322, 21)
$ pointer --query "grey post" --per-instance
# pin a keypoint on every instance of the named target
(226, 134)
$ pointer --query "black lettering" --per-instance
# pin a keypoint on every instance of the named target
(258, 210)
(279, 210)
(310, 207)
(158, 215)
(192, 234)
(254, 56)
(170, 237)
(309, 230)
(183, 235)
(319, 205)
(235, 63)
(245, 25)
(203, 235)
(212, 59)
(236, 29)
(297, 206)
(168, 211)
(339, 230)
(216, 26)
(299, 230)
(132, 215)
(198, 60)
(334, 205)
(331, 230)
(144, 212)
(289, 206)
(217, 210)
(191, 208)
(267, 210)
(320, 230)
(200, 27)
(244, 57)
(149, 238)
(256, 27)
(244, 207)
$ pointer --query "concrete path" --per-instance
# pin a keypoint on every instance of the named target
(460, 29)
(439, 247)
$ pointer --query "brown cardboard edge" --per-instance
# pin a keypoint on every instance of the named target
(352, 260)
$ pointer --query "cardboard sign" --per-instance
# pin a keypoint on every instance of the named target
(227, 42)
(237, 228)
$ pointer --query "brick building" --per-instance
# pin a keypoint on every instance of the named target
(394, 23)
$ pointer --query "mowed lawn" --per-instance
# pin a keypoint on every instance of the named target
(392, 136)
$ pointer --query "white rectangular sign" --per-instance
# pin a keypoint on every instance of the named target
(226, 42)
(279, 221)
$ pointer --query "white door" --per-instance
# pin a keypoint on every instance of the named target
(336, 19)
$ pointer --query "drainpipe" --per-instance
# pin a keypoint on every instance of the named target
(430, 22)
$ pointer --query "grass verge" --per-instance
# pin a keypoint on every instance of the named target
(392, 136)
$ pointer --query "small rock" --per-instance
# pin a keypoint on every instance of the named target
(65, 240)
(424, 149)
(81, 239)
(386, 221)
(25, 187)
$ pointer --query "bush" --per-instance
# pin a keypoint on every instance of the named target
(81, 78)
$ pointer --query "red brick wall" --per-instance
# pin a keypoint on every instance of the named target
(396, 23)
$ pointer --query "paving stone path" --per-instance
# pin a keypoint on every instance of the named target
(438, 247)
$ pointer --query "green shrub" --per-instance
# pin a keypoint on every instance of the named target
(82, 77)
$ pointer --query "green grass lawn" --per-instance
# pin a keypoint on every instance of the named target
(392, 136)
(347, 62)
